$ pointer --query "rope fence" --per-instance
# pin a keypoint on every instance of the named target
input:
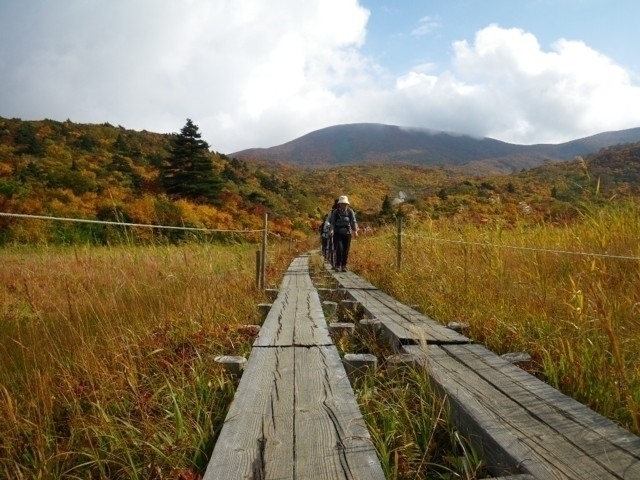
(261, 255)
(399, 239)
(401, 236)
(125, 224)
(532, 249)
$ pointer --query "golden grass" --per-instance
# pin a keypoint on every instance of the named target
(107, 356)
(521, 289)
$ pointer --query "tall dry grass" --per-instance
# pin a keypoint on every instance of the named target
(522, 288)
(107, 356)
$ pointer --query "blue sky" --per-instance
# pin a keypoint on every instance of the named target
(403, 33)
(259, 73)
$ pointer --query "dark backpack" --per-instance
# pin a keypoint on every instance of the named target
(342, 221)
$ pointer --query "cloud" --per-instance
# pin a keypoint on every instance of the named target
(567, 91)
(236, 68)
(505, 86)
(252, 74)
(426, 25)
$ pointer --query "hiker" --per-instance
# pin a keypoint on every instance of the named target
(329, 254)
(343, 225)
(324, 235)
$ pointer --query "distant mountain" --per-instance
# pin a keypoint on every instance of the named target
(359, 143)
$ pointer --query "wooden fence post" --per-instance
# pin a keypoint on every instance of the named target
(258, 268)
(263, 259)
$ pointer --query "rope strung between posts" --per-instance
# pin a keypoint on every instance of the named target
(532, 249)
(124, 224)
(362, 238)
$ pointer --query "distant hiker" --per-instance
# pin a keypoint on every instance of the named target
(325, 227)
(330, 252)
(343, 224)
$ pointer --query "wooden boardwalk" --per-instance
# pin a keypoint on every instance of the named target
(517, 423)
(294, 414)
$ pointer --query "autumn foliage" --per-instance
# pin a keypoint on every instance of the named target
(112, 174)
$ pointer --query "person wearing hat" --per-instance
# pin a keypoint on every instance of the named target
(343, 225)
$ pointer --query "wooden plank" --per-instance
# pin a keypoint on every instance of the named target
(434, 332)
(517, 430)
(408, 325)
(257, 438)
(496, 426)
(332, 440)
(310, 326)
(495, 443)
(299, 267)
(296, 316)
(351, 281)
(614, 448)
(274, 331)
(522, 424)
(294, 416)
(297, 320)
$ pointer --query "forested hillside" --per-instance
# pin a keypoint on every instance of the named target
(103, 172)
(110, 173)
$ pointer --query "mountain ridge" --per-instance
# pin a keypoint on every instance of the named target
(357, 143)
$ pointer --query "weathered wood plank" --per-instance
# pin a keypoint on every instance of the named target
(519, 423)
(297, 320)
(434, 332)
(257, 438)
(518, 430)
(613, 447)
(310, 325)
(351, 281)
(294, 415)
(296, 316)
(332, 440)
(298, 270)
(409, 326)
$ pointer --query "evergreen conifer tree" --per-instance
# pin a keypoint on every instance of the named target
(188, 173)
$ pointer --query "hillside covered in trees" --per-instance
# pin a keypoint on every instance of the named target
(103, 172)
(110, 173)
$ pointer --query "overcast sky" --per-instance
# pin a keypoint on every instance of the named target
(259, 73)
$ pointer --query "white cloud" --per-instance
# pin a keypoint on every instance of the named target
(505, 86)
(253, 73)
(426, 25)
(235, 68)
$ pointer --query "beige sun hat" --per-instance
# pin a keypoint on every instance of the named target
(343, 199)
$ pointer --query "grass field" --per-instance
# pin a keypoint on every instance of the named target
(568, 295)
(107, 355)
